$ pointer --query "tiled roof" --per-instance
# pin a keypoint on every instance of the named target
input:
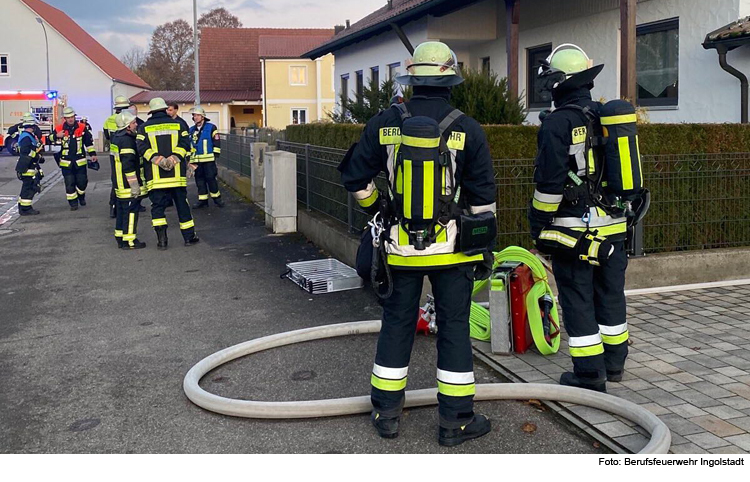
(380, 16)
(733, 31)
(230, 59)
(289, 46)
(188, 96)
(84, 42)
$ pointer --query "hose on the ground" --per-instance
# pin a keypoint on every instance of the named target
(479, 317)
(658, 444)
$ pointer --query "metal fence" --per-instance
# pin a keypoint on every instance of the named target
(236, 151)
(699, 201)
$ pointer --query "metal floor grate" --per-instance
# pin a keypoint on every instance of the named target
(323, 276)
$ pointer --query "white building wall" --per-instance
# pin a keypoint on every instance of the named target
(706, 93)
(88, 89)
(380, 51)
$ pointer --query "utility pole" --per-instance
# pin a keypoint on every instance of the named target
(46, 43)
(195, 47)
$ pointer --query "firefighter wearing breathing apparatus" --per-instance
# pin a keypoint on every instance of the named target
(28, 167)
(588, 195)
(437, 219)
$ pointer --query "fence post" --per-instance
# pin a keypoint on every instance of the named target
(307, 176)
(638, 240)
(350, 211)
(241, 164)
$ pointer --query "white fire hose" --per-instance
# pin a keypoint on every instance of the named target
(660, 435)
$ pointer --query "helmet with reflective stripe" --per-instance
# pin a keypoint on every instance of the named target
(69, 112)
(567, 66)
(29, 120)
(124, 119)
(121, 102)
(157, 104)
(433, 64)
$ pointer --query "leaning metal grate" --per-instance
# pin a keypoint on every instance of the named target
(323, 276)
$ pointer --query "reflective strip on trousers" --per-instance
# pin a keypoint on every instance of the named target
(187, 225)
(159, 222)
(583, 346)
(388, 379)
(614, 335)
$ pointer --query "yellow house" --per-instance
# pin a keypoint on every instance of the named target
(295, 90)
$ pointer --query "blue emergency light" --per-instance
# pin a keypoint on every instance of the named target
(51, 94)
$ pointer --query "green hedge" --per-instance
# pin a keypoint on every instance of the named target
(517, 142)
(700, 190)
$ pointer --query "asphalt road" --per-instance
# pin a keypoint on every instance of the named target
(95, 341)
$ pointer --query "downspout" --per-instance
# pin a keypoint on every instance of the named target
(263, 92)
(743, 80)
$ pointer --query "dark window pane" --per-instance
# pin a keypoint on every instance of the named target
(360, 86)
(657, 64)
(485, 64)
(534, 57)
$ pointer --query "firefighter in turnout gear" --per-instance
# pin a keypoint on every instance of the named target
(206, 148)
(163, 143)
(587, 243)
(27, 169)
(439, 171)
(127, 180)
(110, 127)
(76, 141)
(15, 131)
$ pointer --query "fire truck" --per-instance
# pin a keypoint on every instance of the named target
(44, 104)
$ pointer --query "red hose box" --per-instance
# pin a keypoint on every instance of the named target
(521, 282)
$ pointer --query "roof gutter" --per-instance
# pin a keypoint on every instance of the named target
(379, 27)
(722, 49)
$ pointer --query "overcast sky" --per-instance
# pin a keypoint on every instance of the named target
(121, 24)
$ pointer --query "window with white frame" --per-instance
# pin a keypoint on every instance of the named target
(299, 116)
(393, 70)
(298, 75)
(4, 64)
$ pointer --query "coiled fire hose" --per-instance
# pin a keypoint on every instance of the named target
(479, 317)
(658, 444)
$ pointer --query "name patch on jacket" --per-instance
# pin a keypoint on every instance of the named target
(457, 140)
(390, 135)
(579, 135)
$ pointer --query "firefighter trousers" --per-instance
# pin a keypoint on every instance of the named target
(205, 179)
(455, 366)
(28, 190)
(126, 221)
(594, 314)
(162, 198)
(76, 180)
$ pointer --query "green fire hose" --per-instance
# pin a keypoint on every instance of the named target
(479, 317)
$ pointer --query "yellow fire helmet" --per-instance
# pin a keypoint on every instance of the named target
(124, 119)
(433, 64)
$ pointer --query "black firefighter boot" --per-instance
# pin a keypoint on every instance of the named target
(161, 237)
(386, 427)
(193, 240)
(570, 379)
(219, 201)
(200, 204)
(135, 244)
(82, 199)
(478, 427)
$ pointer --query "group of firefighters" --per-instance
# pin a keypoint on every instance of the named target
(152, 158)
(432, 221)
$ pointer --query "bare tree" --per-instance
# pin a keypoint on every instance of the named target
(219, 18)
(134, 58)
(169, 65)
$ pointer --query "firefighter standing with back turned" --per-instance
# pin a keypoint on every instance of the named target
(577, 216)
(27, 168)
(110, 127)
(126, 180)
(440, 173)
(204, 137)
(74, 137)
(163, 143)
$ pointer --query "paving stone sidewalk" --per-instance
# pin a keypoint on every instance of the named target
(689, 364)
